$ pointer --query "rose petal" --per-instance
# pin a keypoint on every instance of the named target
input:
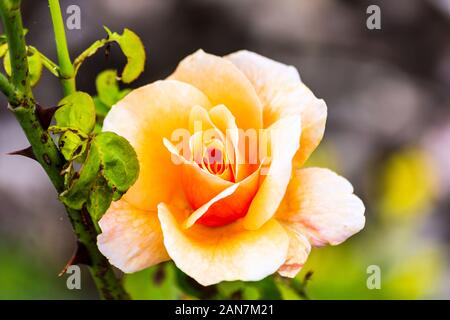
(283, 94)
(232, 207)
(131, 239)
(284, 142)
(322, 205)
(215, 200)
(199, 120)
(223, 83)
(226, 123)
(143, 117)
(212, 255)
(298, 252)
(197, 214)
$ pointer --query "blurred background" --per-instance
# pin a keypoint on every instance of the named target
(388, 132)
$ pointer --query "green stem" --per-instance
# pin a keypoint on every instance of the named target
(13, 28)
(67, 72)
(49, 64)
(8, 90)
(48, 156)
(89, 52)
(107, 284)
(45, 151)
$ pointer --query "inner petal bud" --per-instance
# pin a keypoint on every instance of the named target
(214, 160)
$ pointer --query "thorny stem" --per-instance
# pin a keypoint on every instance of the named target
(22, 104)
(13, 28)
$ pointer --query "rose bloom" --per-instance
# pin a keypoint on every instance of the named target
(215, 213)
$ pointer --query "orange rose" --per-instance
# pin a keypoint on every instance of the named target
(233, 205)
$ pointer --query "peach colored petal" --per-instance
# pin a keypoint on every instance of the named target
(313, 127)
(321, 205)
(284, 142)
(215, 200)
(199, 185)
(212, 255)
(223, 83)
(143, 117)
(199, 120)
(197, 214)
(131, 239)
(298, 252)
(283, 94)
(234, 206)
(226, 123)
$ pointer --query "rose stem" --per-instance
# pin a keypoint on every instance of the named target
(22, 104)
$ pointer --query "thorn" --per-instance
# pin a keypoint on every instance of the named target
(308, 276)
(107, 50)
(45, 115)
(27, 152)
(80, 256)
(159, 275)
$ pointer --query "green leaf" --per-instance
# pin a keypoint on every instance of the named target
(192, 288)
(7, 63)
(77, 111)
(77, 194)
(107, 87)
(123, 93)
(133, 49)
(71, 145)
(3, 49)
(58, 129)
(100, 199)
(268, 289)
(264, 289)
(119, 160)
(98, 128)
(68, 173)
(130, 44)
(108, 94)
(158, 282)
(100, 108)
(110, 157)
(88, 52)
(34, 66)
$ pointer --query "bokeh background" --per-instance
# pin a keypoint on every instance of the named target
(388, 132)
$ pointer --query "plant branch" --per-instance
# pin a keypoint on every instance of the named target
(89, 52)
(48, 63)
(45, 151)
(12, 24)
(67, 73)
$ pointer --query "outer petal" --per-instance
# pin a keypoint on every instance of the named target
(299, 249)
(144, 117)
(223, 83)
(322, 205)
(282, 94)
(284, 142)
(212, 255)
(131, 239)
